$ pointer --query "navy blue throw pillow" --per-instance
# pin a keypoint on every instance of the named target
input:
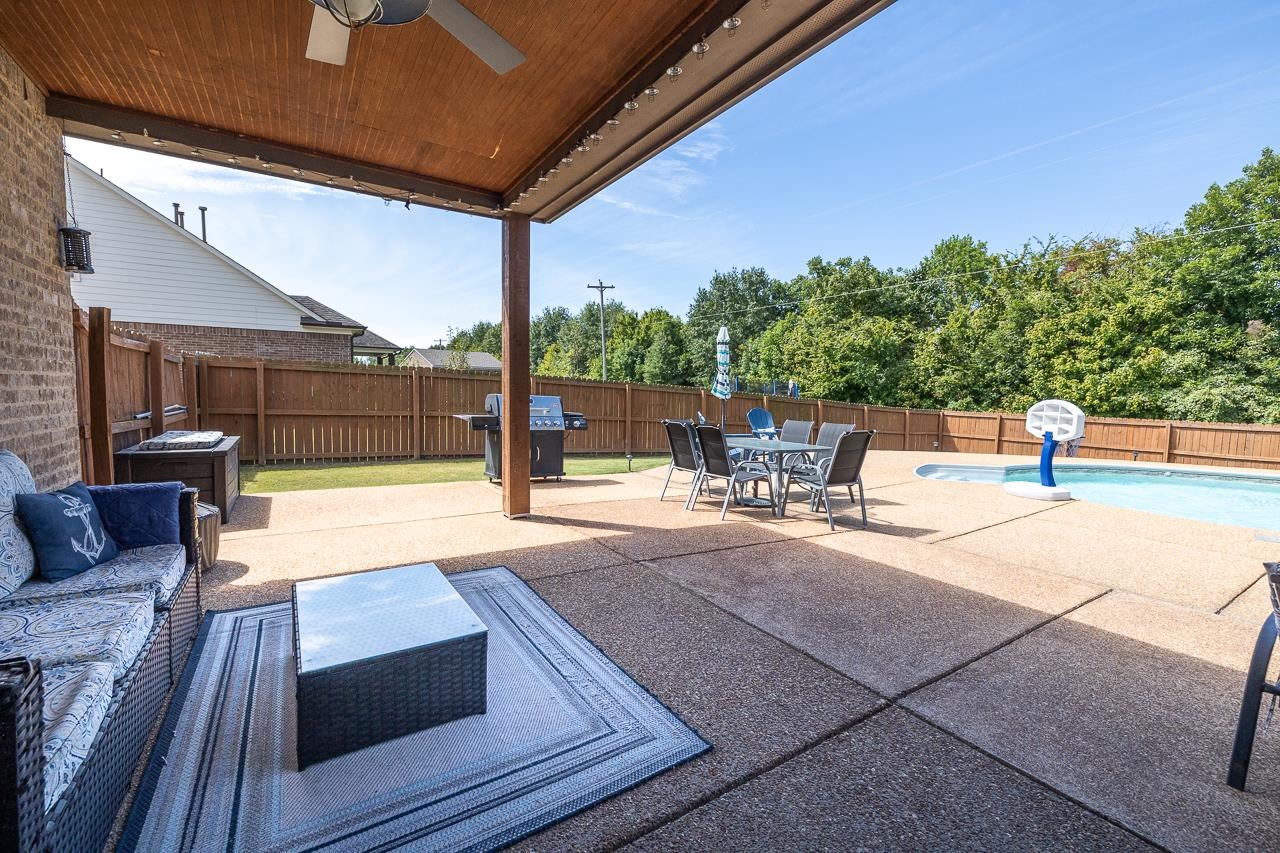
(66, 532)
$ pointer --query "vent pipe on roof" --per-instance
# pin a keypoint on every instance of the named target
(177, 214)
(204, 234)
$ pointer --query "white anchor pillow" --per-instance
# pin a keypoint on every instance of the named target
(66, 531)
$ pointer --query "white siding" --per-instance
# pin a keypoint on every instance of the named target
(146, 270)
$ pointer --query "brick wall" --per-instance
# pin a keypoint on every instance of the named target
(244, 343)
(37, 364)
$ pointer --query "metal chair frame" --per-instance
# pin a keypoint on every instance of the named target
(678, 432)
(717, 464)
(844, 464)
(1255, 685)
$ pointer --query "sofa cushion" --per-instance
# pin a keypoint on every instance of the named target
(17, 559)
(76, 698)
(66, 531)
(104, 628)
(157, 569)
(139, 514)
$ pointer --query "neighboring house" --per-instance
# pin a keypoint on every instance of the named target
(375, 348)
(164, 283)
(436, 359)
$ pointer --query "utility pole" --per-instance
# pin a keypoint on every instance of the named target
(602, 287)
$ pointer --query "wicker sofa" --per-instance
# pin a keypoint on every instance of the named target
(85, 663)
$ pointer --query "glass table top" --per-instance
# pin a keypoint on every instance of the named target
(347, 618)
(773, 445)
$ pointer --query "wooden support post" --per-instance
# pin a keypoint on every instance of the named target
(190, 398)
(416, 379)
(260, 453)
(99, 394)
(626, 440)
(515, 365)
(80, 330)
(155, 386)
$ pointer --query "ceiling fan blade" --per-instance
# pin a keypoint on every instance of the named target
(478, 36)
(328, 39)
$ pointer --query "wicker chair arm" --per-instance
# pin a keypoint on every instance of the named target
(188, 529)
(21, 755)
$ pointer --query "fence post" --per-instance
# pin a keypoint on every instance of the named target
(702, 393)
(906, 431)
(155, 386)
(626, 441)
(1168, 440)
(866, 416)
(999, 433)
(260, 456)
(941, 422)
(417, 412)
(821, 417)
(99, 387)
(80, 331)
(190, 399)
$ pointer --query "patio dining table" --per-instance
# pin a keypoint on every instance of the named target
(773, 451)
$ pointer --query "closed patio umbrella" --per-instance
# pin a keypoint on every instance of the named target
(720, 386)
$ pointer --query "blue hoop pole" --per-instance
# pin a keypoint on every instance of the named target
(1046, 460)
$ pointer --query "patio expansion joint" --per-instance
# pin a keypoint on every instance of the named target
(1041, 783)
(1233, 599)
(1050, 508)
(711, 796)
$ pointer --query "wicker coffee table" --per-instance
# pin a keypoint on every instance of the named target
(383, 654)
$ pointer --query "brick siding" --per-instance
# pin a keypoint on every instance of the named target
(37, 361)
(244, 343)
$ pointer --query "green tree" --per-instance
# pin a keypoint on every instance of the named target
(747, 301)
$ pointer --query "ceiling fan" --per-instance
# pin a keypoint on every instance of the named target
(333, 21)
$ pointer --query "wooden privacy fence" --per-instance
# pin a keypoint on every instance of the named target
(291, 412)
(123, 388)
(297, 412)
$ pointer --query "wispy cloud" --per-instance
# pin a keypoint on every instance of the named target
(645, 210)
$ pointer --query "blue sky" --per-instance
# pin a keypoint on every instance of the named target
(1005, 119)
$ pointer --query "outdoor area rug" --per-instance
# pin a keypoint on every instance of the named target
(565, 729)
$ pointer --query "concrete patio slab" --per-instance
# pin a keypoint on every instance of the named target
(1043, 591)
(1253, 605)
(889, 629)
(755, 699)
(1228, 539)
(1129, 706)
(261, 569)
(892, 782)
(647, 529)
(1136, 561)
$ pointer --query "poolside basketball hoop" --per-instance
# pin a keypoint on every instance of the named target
(1054, 421)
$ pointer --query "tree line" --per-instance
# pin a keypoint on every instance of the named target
(1181, 322)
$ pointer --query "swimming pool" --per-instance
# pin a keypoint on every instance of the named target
(1244, 500)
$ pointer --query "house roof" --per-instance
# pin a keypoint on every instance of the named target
(305, 312)
(475, 360)
(324, 315)
(372, 340)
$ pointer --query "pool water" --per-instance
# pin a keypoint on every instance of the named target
(1243, 500)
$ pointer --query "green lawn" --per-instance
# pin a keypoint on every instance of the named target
(292, 478)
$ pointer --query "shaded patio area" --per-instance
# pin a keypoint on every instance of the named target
(973, 671)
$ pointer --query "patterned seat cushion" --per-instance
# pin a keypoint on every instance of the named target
(17, 560)
(105, 628)
(76, 699)
(157, 569)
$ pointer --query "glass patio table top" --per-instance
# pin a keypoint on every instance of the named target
(773, 445)
(368, 614)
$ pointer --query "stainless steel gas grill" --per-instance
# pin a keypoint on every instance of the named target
(548, 422)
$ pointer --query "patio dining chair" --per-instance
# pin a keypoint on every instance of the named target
(717, 464)
(843, 468)
(796, 430)
(761, 423)
(684, 452)
(1256, 686)
(827, 435)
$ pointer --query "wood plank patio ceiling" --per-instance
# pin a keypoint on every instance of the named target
(411, 102)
